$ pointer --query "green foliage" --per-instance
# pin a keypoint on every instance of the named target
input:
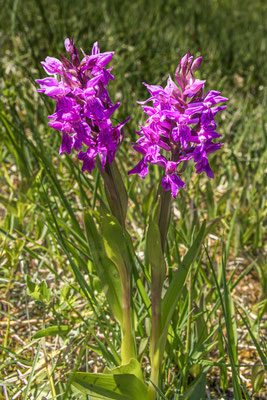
(40, 292)
(258, 373)
(118, 245)
(154, 249)
(176, 285)
(119, 385)
(106, 270)
(43, 198)
(133, 367)
(197, 390)
(115, 191)
(61, 330)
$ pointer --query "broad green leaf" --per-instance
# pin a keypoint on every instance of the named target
(115, 190)
(52, 331)
(119, 386)
(105, 268)
(133, 367)
(117, 242)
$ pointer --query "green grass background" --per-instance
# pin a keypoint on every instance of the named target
(43, 195)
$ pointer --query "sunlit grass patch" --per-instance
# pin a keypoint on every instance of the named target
(43, 196)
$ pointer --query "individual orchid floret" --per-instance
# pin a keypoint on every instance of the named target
(84, 108)
(180, 126)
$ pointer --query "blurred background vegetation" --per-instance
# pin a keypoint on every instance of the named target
(42, 195)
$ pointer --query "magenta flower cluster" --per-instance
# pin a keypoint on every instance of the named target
(83, 107)
(180, 126)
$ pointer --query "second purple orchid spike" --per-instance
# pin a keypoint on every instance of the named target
(180, 124)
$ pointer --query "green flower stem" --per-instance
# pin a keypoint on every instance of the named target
(157, 280)
(189, 321)
(188, 329)
(154, 377)
(156, 331)
(164, 215)
(127, 344)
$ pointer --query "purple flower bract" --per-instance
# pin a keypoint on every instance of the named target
(180, 126)
(83, 107)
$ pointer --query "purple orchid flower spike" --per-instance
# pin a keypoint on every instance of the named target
(84, 107)
(181, 122)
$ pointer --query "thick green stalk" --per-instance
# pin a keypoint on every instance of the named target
(127, 343)
(189, 321)
(156, 331)
(154, 377)
(157, 279)
(188, 328)
(164, 215)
